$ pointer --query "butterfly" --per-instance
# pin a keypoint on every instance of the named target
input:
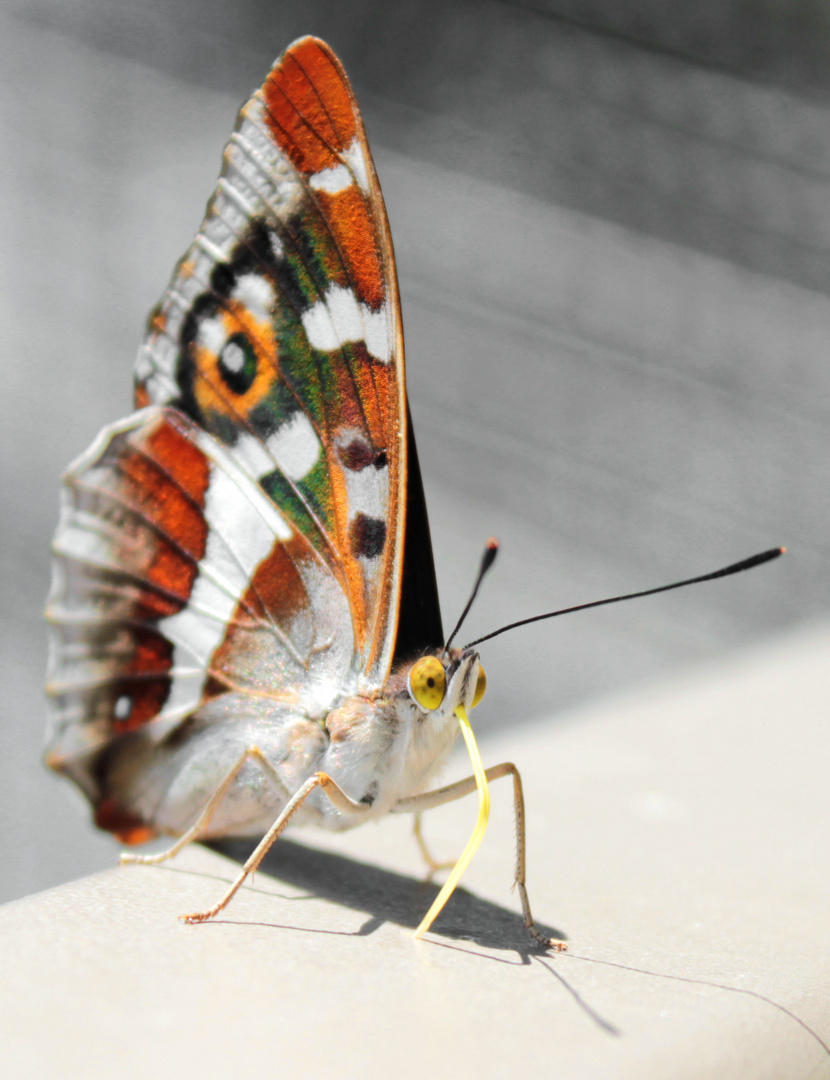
(244, 619)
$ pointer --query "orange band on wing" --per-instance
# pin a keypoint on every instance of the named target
(348, 217)
(128, 827)
(168, 478)
(146, 679)
(273, 599)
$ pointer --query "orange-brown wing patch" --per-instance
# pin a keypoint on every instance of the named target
(275, 617)
(354, 232)
(165, 482)
(312, 112)
(314, 118)
(127, 552)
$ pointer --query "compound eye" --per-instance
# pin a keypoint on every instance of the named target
(481, 686)
(427, 683)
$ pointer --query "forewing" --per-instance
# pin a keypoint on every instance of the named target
(280, 335)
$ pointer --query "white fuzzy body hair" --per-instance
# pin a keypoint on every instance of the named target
(378, 748)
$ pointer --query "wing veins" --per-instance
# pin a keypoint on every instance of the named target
(202, 569)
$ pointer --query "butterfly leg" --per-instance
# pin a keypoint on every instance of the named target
(451, 792)
(432, 863)
(338, 798)
(253, 753)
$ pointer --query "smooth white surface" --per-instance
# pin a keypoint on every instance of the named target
(677, 835)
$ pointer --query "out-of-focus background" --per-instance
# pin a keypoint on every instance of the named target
(613, 233)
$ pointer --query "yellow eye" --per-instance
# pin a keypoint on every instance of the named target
(427, 683)
(481, 686)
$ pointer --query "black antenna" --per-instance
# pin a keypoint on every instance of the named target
(487, 559)
(734, 568)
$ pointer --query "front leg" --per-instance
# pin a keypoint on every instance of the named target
(451, 792)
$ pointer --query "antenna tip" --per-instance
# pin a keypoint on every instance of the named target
(782, 551)
(491, 550)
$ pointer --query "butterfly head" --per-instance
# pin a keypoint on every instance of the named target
(440, 682)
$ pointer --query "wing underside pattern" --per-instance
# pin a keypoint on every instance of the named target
(241, 536)
(280, 332)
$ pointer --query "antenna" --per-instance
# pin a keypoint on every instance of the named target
(733, 568)
(491, 550)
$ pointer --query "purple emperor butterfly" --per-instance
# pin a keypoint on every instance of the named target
(245, 628)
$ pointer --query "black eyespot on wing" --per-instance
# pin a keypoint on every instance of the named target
(359, 454)
(222, 279)
(367, 536)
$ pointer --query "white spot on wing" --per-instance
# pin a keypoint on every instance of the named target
(368, 492)
(295, 447)
(378, 329)
(339, 318)
(244, 524)
(357, 162)
(333, 320)
(213, 334)
(319, 328)
(276, 245)
(233, 357)
(332, 180)
(253, 456)
(256, 294)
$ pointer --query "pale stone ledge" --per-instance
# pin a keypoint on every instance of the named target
(678, 836)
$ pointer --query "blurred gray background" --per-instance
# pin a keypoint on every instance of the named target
(612, 223)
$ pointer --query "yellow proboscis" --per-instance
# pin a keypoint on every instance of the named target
(477, 836)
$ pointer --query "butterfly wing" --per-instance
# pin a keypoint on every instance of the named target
(244, 531)
(281, 334)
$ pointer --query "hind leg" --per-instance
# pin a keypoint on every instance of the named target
(339, 799)
(252, 753)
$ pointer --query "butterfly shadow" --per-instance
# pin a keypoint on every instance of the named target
(386, 896)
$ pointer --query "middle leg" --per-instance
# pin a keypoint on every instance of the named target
(451, 792)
